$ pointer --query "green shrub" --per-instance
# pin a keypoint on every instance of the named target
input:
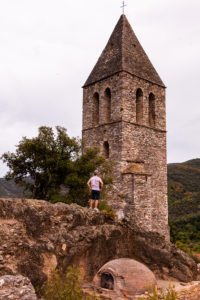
(57, 198)
(156, 294)
(196, 258)
(107, 209)
(103, 205)
(66, 286)
(171, 293)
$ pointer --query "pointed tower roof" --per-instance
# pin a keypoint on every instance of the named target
(123, 52)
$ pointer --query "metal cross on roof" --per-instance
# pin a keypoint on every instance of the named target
(123, 6)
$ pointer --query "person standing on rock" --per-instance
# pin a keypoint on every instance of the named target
(95, 184)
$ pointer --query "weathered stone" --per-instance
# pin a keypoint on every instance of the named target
(81, 236)
(16, 288)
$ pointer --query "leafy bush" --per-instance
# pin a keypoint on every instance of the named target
(107, 209)
(66, 286)
(170, 294)
(83, 169)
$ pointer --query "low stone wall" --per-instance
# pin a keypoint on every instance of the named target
(189, 292)
(185, 291)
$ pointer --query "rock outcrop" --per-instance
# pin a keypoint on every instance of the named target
(37, 236)
(16, 288)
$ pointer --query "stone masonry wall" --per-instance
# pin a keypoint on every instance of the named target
(110, 132)
(115, 85)
(140, 184)
(130, 85)
(145, 147)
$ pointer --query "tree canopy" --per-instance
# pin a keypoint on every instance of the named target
(52, 162)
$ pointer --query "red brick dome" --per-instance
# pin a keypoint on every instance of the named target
(125, 276)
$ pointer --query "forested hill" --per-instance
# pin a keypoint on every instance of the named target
(184, 204)
(9, 189)
(184, 188)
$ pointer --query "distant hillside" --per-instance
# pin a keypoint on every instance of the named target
(184, 204)
(9, 189)
(184, 188)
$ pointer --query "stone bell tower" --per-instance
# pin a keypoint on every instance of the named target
(124, 114)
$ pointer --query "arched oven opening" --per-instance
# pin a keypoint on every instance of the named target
(107, 281)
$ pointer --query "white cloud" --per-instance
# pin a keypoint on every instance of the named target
(48, 48)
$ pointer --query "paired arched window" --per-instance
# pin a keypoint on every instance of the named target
(152, 110)
(139, 106)
(106, 150)
(95, 110)
(107, 105)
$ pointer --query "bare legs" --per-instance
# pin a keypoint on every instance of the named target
(96, 203)
(91, 203)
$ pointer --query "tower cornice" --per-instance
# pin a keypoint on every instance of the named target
(120, 71)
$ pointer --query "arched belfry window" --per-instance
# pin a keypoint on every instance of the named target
(107, 105)
(152, 110)
(106, 150)
(139, 106)
(95, 109)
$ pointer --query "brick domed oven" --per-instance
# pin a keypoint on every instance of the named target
(125, 276)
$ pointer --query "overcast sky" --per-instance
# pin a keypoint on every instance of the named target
(49, 47)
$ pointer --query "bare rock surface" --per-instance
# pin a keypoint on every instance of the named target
(16, 287)
(37, 236)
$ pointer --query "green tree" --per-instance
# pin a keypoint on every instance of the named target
(51, 163)
(83, 168)
(41, 164)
